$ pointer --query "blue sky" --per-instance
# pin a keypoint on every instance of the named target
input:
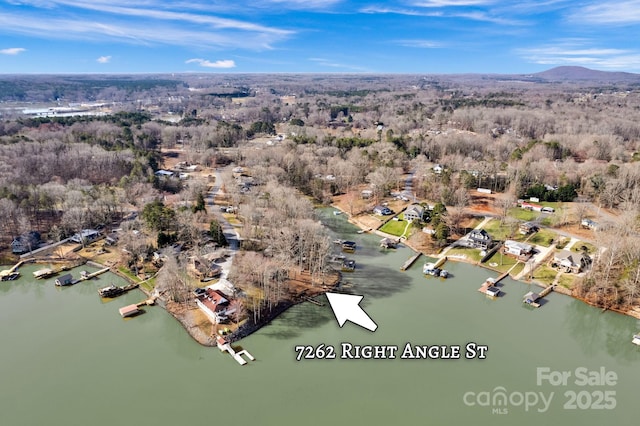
(372, 36)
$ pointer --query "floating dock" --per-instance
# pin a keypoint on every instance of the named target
(44, 273)
(224, 346)
(11, 272)
(531, 299)
(114, 291)
(129, 310)
(406, 265)
(9, 276)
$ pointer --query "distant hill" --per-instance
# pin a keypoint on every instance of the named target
(568, 73)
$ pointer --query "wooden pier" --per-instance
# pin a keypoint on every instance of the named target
(224, 346)
(532, 299)
(547, 290)
(410, 262)
(490, 286)
(86, 276)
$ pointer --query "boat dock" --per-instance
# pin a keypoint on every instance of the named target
(129, 311)
(44, 273)
(406, 265)
(114, 291)
(490, 286)
(532, 299)
(224, 346)
(86, 276)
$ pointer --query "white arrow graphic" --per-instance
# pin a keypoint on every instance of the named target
(346, 307)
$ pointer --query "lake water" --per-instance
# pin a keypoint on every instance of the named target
(69, 359)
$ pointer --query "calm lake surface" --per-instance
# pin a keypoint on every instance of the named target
(69, 359)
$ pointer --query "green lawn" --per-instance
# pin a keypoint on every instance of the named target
(500, 232)
(469, 253)
(577, 247)
(567, 280)
(545, 274)
(395, 227)
(522, 214)
(502, 262)
(544, 237)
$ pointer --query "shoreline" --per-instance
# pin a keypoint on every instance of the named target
(632, 312)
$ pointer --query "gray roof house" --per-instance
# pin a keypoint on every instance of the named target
(480, 239)
(518, 249)
(570, 261)
(25, 242)
(414, 212)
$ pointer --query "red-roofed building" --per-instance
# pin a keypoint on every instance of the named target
(214, 304)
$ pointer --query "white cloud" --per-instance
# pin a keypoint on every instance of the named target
(581, 52)
(224, 63)
(140, 22)
(609, 12)
(422, 44)
(12, 51)
(449, 3)
(104, 59)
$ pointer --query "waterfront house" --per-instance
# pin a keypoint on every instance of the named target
(214, 304)
(518, 249)
(25, 242)
(85, 236)
(381, 210)
(414, 212)
(570, 261)
(480, 239)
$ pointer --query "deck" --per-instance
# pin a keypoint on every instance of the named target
(406, 265)
(238, 356)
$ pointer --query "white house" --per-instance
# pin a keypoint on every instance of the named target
(414, 212)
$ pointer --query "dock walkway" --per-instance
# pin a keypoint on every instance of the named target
(410, 262)
(224, 346)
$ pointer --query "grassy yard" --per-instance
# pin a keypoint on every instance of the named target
(567, 280)
(523, 215)
(503, 263)
(500, 232)
(395, 227)
(468, 253)
(544, 238)
(545, 274)
(577, 247)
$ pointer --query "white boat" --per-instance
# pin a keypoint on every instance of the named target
(431, 269)
(636, 339)
(337, 212)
